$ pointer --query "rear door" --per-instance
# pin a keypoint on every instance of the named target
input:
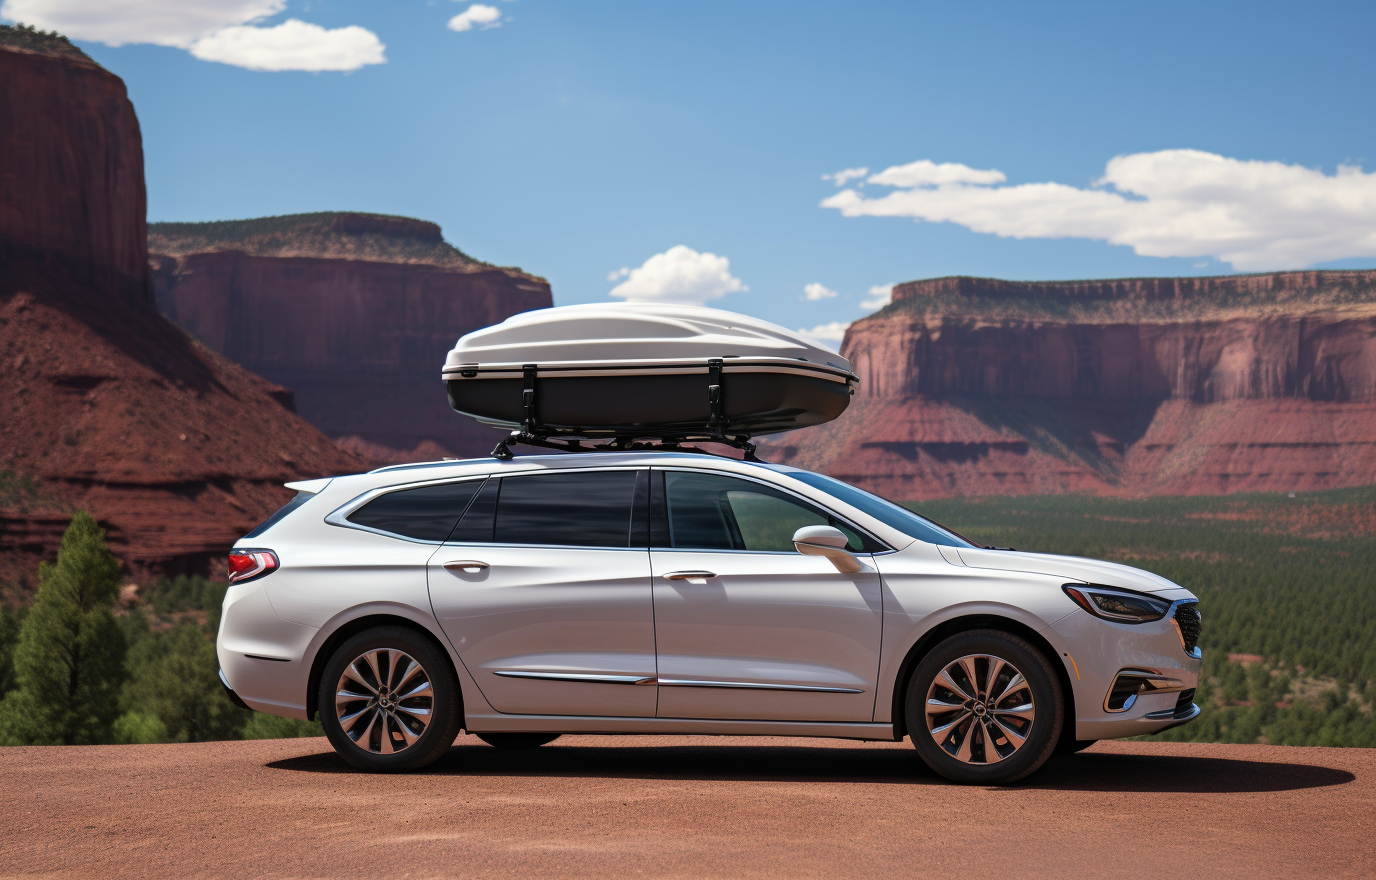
(544, 590)
(747, 627)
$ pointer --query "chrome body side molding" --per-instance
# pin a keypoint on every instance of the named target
(586, 677)
(754, 685)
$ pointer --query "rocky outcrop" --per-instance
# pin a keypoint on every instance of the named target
(104, 403)
(353, 312)
(1135, 386)
(72, 200)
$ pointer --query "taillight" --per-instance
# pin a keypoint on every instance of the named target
(245, 565)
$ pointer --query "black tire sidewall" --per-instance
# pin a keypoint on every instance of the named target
(1046, 693)
(446, 718)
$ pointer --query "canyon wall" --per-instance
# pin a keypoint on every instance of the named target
(1138, 386)
(353, 312)
(72, 200)
(105, 405)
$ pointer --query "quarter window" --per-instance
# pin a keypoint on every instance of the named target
(425, 514)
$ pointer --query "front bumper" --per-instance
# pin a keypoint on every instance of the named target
(1096, 650)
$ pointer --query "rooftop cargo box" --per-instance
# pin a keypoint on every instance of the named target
(644, 370)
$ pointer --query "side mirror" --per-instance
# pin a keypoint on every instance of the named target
(829, 542)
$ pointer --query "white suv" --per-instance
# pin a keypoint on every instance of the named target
(670, 592)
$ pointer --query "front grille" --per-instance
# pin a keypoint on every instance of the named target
(1184, 703)
(1187, 621)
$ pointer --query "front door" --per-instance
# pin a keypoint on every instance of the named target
(544, 590)
(747, 627)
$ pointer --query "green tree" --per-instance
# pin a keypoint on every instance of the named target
(174, 678)
(9, 637)
(69, 662)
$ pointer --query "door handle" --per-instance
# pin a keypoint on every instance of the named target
(465, 565)
(689, 575)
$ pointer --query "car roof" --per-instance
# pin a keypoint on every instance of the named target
(435, 469)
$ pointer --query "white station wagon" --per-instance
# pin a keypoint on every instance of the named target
(680, 593)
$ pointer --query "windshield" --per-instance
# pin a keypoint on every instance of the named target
(890, 514)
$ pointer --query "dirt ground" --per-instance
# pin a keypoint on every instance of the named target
(693, 807)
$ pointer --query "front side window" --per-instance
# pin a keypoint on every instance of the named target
(715, 512)
(427, 513)
(884, 510)
(583, 509)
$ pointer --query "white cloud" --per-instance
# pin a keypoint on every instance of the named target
(212, 30)
(618, 274)
(880, 295)
(292, 45)
(478, 16)
(840, 177)
(814, 292)
(826, 335)
(1255, 215)
(679, 275)
(925, 173)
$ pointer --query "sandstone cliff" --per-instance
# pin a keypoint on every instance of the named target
(72, 201)
(1135, 386)
(353, 312)
(104, 403)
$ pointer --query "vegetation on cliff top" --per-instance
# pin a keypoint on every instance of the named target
(26, 38)
(1150, 300)
(331, 234)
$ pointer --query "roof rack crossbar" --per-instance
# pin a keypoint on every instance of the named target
(624, 443)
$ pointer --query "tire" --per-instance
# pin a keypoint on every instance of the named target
(957, 743)
(380, 731)
(517, 740)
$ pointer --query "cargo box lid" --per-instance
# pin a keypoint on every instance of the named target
(621, 334)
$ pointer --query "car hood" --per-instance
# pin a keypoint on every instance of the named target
(1092, 571)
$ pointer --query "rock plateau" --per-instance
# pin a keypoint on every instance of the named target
(1149, 386)
(353, 312)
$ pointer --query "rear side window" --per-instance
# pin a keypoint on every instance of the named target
(424, 514)
(587, 509)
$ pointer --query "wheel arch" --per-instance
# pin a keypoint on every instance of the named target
(352, 627)
(965, 623)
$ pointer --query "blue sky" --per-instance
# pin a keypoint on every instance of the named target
(575, 139)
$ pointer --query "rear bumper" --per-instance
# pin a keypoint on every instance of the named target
(233, 697)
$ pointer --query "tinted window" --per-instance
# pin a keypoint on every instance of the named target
(712, 512)
(885, 511)
(590, 509)
(426, 514)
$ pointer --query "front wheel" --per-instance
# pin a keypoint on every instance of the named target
(984, 706)
(389, 700)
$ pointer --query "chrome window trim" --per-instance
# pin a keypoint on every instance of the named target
(752, 479)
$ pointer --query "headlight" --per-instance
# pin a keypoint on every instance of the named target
(1119, 606)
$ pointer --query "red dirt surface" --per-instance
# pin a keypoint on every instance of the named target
(689, 807)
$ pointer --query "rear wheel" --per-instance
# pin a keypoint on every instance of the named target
(389, 700)
(517, 740)
(984, 706)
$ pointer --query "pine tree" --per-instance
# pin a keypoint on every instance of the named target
(69, 662)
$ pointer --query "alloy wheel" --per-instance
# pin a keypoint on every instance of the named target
(384, 701)
(980, 709)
